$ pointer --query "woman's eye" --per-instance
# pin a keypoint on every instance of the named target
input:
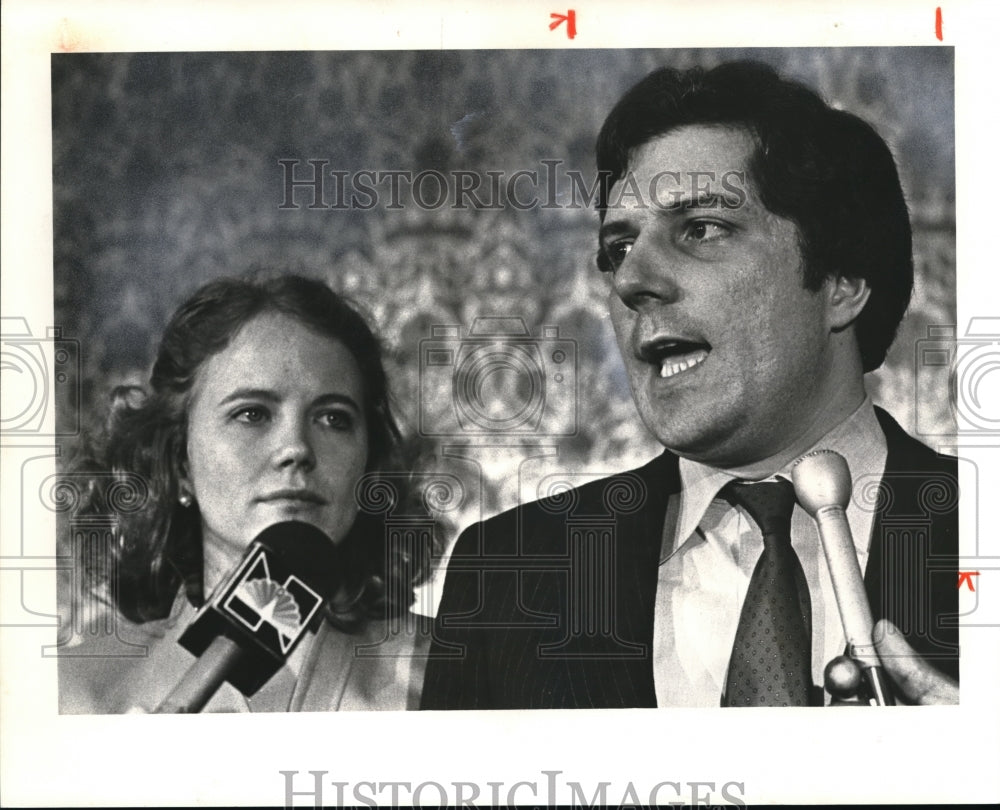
(339, 420)
(615, 252)
(250, 415)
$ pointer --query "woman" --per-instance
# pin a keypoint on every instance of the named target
(268, 402)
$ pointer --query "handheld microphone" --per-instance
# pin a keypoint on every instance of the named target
(255, 618)
(822, 483)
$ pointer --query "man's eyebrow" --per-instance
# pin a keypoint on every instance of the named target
(616, 228)
(712, 199)
(677, 202)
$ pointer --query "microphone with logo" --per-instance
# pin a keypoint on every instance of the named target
(255, 618)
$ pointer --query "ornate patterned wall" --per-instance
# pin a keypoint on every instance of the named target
(166, 173)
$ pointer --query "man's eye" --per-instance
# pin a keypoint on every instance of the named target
(615, 252)
(701, 230)
(251, 415)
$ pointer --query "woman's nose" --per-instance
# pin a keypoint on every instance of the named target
(294, 447)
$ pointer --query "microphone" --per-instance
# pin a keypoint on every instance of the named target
(256, 616)
(822, 484)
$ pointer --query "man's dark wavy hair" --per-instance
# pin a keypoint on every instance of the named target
(824, 169)
(158, 547)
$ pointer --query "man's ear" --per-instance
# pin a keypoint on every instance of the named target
(846, 297)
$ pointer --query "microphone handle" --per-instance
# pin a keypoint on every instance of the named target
(203, 678)
(852, 601)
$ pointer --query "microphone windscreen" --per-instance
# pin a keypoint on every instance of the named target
(821, 478)
(306, 551)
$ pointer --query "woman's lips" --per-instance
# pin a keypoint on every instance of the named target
(300, 496)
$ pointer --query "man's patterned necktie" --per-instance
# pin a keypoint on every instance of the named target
(772, 653)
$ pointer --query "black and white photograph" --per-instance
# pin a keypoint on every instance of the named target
(374, 399)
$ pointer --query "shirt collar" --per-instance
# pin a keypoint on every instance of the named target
(858, 438)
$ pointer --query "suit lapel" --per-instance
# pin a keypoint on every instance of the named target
(638, 561)
(910, 577)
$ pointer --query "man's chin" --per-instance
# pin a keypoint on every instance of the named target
(695, 437)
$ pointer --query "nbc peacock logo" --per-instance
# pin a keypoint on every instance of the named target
(269, 608)
(273, 605)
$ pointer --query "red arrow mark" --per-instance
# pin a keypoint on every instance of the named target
(966, 576)
(569, 18)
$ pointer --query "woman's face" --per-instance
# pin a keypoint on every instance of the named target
(276, 431)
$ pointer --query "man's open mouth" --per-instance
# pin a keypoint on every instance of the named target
(674, 356)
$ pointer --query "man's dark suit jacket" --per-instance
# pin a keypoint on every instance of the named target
(551, 605)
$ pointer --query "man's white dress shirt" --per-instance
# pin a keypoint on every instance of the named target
(708, 555)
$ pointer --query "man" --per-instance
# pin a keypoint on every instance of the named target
(758, 249)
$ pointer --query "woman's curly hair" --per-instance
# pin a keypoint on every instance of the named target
(158, 548)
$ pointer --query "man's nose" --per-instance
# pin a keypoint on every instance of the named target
(293, 446)
(646, 277)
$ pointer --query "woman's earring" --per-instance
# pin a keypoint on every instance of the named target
(185, 500)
